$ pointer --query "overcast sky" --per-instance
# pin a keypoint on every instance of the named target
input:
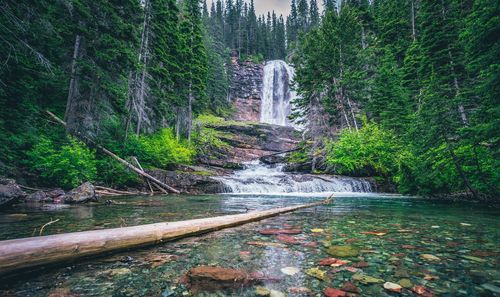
(263, 6)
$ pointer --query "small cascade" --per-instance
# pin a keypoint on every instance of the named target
(258, 178)
(276, 93)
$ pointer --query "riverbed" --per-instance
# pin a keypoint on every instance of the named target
(448, 249)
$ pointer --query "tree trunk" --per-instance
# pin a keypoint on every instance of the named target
(29, 252)
(73, 84)
(413, 31)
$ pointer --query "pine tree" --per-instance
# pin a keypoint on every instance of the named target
(302, 16)
(195, 67)
(314, 13)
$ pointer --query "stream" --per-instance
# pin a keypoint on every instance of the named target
(391, 238)
(360, 243)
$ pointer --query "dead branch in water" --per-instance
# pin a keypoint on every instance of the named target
(49, 223)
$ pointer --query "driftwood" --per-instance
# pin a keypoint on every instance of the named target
(17, 254)
(115, 191)
(127, 164)
(147, 180)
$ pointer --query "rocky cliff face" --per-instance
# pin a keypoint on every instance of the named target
(246, 89)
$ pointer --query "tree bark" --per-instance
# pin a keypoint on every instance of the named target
(18, 254)
(72, 82)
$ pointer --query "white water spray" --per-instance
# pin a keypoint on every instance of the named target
(258, 178)
(277, 94)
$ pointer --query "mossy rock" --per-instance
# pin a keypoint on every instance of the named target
(343, 251)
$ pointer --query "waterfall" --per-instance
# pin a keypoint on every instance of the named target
(276, 93)
(258, 178)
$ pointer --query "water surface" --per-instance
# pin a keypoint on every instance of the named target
(464, 238)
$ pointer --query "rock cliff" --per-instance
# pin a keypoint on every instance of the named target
(246, 89)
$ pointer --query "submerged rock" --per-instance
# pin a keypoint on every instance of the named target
(82, 194)
(10, 192)
(212, 278)
(343, 251)
(332, 292)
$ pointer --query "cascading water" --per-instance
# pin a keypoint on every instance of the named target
(276, 93)
(258, 178)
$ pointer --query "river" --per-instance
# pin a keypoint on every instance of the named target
(464, 238)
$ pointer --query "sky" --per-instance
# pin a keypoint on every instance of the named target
(263, 6)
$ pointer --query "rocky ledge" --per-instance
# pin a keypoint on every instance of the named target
(249, 141)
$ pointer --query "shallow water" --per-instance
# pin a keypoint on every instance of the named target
(464, 238)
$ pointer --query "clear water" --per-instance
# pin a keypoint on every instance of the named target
(451, 232)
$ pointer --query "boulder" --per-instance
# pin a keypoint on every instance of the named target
(82, 194)
(189, 182)
(10, 192)
(38, 196)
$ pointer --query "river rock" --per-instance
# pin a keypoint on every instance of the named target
(10, 192)
(406, 283)
(343, 251)
(82, 194)
(38, 196)
(393, 287)
(211, 278)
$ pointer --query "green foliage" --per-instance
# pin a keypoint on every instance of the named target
(369, 151)
(115, 174)
(68, 165)
(161, 149)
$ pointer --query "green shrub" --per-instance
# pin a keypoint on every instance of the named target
(371, 150)
(161, 149)
(67, 166)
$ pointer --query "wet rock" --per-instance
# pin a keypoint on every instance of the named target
(422, 291)
(332, 262)
(287, 239)
(262, 291)
(393, 287)
(406, 283)
(189, 182)
(117, 271)
(300, 290)
(210, 278)
(264, 244)
(279, 231)
(429, 257)
(62, 292)
(38, 196)
(366, 279)
(56, 193)
(361, 264)
(276, 293)
(160, 259)
(332, 292)
(350, 287)
(10, 192)
(82, 194)
(316, 273)
(290, 270)
(343, 251)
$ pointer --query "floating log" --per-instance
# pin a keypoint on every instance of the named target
(18, 254)
(127, 164)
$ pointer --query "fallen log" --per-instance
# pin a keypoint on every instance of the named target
(18, 254)
(115, 191)
(127, 164)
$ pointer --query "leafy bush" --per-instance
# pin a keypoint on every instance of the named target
(371, 150)
(68, 165)
(161, 149)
